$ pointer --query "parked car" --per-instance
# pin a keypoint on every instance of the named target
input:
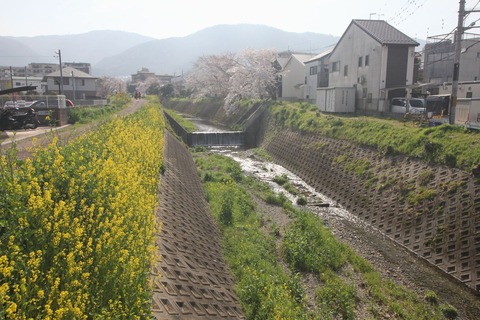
(37, 104)
(403, 105)
(14, 104)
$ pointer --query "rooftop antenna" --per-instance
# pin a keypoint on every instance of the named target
(375, 14)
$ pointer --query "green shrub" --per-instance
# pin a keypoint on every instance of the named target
(449, 311)
(302, 201)
(281, 180)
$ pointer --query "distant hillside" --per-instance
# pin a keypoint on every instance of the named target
(88, 47)
(177, 55)
(118, 53)
(15, 53)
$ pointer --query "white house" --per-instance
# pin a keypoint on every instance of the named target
(316, 74)
(29, 81)
(293, 77)
(374, 58)
(77, 85)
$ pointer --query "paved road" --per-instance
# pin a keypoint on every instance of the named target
(24, 138)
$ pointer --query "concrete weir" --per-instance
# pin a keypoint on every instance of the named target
(210, 139)
(190, 279)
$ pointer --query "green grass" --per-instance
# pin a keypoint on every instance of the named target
(89, 113)
(268, 291)
(184, 123)
(446, 144)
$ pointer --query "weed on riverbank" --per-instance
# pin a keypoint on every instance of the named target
(271, 260)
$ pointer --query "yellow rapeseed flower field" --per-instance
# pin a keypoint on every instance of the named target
(77, 223)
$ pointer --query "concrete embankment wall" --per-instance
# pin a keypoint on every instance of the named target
(194, 281)
(434, 211)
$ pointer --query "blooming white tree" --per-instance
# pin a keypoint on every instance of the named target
(253, 77)
(109, 86)
(248, 75)
(151, 85)
(210, 77)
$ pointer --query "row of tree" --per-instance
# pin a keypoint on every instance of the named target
(251, 74)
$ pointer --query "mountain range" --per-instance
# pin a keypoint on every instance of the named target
(118, 53)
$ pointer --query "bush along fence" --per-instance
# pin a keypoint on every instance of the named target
(77, 223)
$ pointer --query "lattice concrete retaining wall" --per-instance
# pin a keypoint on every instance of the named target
(191, 278)
(434, 211)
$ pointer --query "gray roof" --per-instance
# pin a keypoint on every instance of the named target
(323, 54)
(302, 57)
(67, 72)
(383, 32)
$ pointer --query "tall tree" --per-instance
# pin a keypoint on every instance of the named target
(109, 86)
(248, 75)
(210, 77)
(253, 77)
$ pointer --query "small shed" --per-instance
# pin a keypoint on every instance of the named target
(336, 99)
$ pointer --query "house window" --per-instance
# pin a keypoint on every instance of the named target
(360, 62)
(18, 83)
(83, 82)
(364, 93)
(469, 94)
(369, 98)
(313, 70)
(345, 70)
(66, 81)
(367, 60)
(335, 67)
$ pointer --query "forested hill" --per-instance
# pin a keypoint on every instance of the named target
(177, 55)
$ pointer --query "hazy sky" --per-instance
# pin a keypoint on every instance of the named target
(172, 18)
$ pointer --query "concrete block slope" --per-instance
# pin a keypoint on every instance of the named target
(191, 280)
(433, 211)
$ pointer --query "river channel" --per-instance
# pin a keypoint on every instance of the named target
(387, 257)
(266, 171)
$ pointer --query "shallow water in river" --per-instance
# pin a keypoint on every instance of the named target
(266, 171)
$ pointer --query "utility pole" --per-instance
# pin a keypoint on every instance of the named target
(73, 86)
(456, 65)
(61, 71)
(11, 84)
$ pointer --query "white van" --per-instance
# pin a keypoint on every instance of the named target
(415, 105)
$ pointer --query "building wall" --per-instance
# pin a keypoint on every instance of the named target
(466, 89)
(83, 87)
(317, 80)
(439, 61)
(293, 81)
(366, 77)
(310, 90)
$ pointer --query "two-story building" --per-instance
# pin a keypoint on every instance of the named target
(375, 59)
(316, 74)
(293, 77)
(77, 85)
(439, 62)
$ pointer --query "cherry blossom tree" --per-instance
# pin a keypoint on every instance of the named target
(253, 77)
(109, 86)
(248, 75)
(210, 77)
(151, 85)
